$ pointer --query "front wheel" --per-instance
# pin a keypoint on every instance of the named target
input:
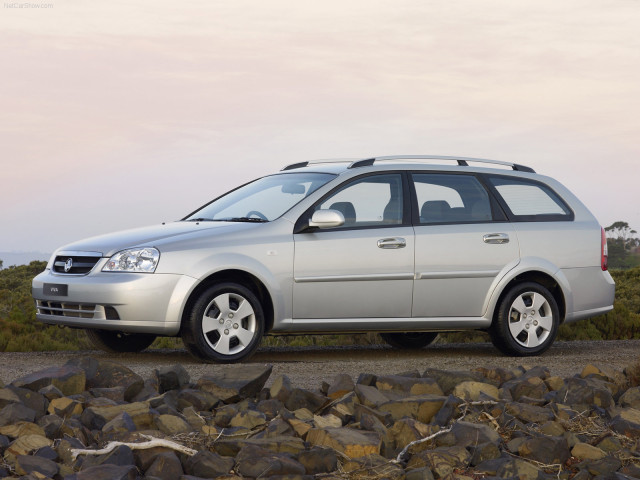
(527, 321)
(119, 342)
(225, 324)
(409, 340)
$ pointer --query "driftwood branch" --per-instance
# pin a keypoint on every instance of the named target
(150, 443)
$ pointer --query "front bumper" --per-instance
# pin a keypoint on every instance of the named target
(127, 302)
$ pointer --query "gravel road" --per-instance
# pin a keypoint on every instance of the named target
(307, 367)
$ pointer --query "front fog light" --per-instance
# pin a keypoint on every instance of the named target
(143, 260)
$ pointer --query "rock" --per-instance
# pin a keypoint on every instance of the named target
(447, 380)
(627, 422)
(373, 424)
(51, 425)
(193, 418)
(112, 393)
(25, 445)
(171, 378)
(26, 464)
(64, 407)
(8, 396)
(208, 464)
(248, 419)
(301, 398)
(68, 379)
(47, 452)
(554, 429)
(253, 461)
(106, 374)
(172, 424)
(352, 443)
(516, 468)
(368, 379)
(276, 428)
(326, 421)
(408, 385)
(201, 401)
(370, 396)
(610, 445)
(604, 466)
(532, 387)
(165, 466)
(546, 450)
(483, 452)
(529, 413)
(423, 473)
(554, 383)
(442, 460)
(584, 451)
(341, 385)
(122, 456)
(121, 423)
(318, 460)
(21, 429)
(109, 472)
(630, 398)
(407, 430)
(448, 411)
(422, 407)
(284, 444)
(582, 393)
(465, 434)
(236, 382)
(372, 466)
(16, 412)
(281, 388)
(271, 408)
(95, 418)
(33, 400)
(471, 391)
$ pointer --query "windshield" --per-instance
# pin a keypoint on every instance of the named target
(262, 200)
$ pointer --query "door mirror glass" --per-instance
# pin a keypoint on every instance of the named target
(326, 219)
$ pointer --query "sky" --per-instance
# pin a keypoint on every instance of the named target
(121, 114)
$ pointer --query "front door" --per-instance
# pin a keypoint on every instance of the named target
(365, 267)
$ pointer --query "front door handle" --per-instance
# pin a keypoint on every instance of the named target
(495, 238)
(395, 242)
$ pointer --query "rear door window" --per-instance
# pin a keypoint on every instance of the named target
(445, 198)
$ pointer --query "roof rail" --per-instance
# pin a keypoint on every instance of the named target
(462, 161)
(293, 166)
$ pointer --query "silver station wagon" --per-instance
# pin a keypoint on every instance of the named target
(407, 246)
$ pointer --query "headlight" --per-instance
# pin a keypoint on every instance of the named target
(143, 260)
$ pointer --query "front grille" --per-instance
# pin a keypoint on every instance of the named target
(74, 310)
(80, 264)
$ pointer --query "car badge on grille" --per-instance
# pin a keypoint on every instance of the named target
(68, 265)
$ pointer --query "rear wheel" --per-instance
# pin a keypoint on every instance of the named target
(225, 324)
(119, 342)
(527, 321)
(409, 340)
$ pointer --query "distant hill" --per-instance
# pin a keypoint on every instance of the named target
(21, 258)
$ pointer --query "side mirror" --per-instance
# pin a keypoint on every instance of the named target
(326, 219)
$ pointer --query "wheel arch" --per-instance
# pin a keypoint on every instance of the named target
(248, 280)
(550, 282)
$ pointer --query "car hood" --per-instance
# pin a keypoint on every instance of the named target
(152, 236)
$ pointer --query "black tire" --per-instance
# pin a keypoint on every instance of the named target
(409, 340)
(234, 330)
(119, 342)
(526, 323)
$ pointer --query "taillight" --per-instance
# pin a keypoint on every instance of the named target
(604, 251)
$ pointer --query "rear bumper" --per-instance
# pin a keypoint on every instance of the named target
(128, 302)
(593, 292)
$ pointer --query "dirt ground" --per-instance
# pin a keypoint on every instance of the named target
(307, 367)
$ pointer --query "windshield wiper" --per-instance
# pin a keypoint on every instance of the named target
(245, 219)
(201, 219)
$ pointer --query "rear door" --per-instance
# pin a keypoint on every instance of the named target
(463, 241)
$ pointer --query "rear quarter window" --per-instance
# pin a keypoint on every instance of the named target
(529, 200)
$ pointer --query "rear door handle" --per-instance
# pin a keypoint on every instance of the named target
(395, 242)
(495, 238)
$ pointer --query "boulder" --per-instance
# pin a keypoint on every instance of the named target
(16, 412)
(352, 443)
(341, 385)
(107, 374)
(27, 464)
(109, 472)
(447, 380)
(529, 413)
(201, 401)
(281, 388)
(584, 451)
(8, 396)
(442, 461)
(408, 385)
(546, 450)
(253, 461)
(172, 424)
(627, 422)
(318, 460)
(95, 418)
(630, 398)
(165, 466)
(471, 391)
(422, 407)
(235, 383)
(171, 378)
(70, 380)
(370, 396)
(301, 398)
(64, 407)
(25, 445)
(208, 464)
